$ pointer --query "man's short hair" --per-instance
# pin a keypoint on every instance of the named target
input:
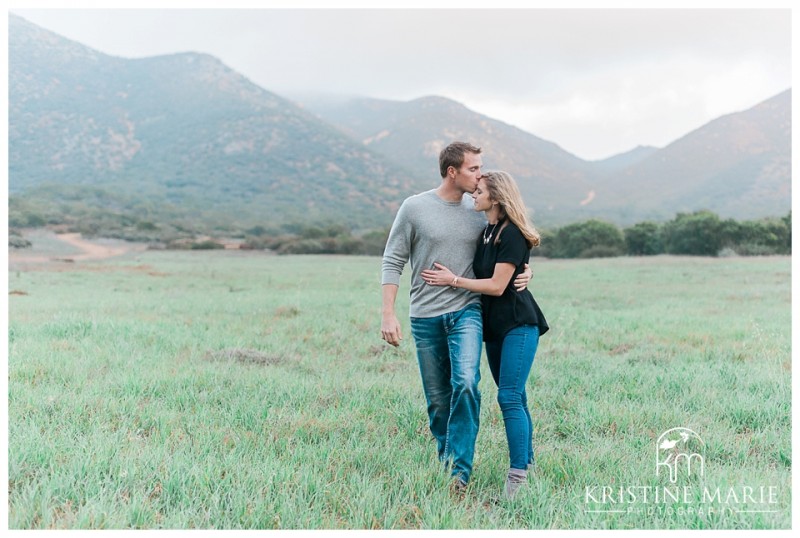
(453, 155)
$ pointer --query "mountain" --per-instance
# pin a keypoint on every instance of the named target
(738, 166)
(621, 161)
(185, 133)
(552, 181)
(185, 138)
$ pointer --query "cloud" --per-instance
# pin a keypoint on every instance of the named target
(595, 81)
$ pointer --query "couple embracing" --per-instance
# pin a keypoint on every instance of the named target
(468, 242)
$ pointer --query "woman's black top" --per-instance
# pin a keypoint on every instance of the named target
(513, 308)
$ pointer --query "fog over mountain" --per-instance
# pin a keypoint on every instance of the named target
(183, 135)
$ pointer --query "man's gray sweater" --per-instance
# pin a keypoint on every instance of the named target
(428, 229)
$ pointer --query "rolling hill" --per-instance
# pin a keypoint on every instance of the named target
(185, 133)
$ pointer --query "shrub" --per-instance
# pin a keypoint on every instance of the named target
(602, 251)
(545, 249)
(755, 249)
(696, 234)
(17, 241)
(573, 240)
(208, 244)
(302, 246)
(644, 239)
(374, 242)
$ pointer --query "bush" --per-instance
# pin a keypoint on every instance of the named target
(545, 249)
(703, 234)
(771, 236)
(26, 220)
(146, 226)
(727, 252)
(696, 234)
(374, 242)
(602, 251)
(208, 244)
(643, 239)
(755, 249)
(302, 246)
(17, 241)
(585, 238)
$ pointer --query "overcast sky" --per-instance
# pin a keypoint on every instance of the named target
(595, 82)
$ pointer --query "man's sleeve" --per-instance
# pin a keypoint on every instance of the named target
(398, 248)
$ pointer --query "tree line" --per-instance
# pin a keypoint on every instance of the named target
(701, 233)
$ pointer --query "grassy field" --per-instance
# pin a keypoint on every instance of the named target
(232, 390)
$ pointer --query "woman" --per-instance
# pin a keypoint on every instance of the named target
(512, 321)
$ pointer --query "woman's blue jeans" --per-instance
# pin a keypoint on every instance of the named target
(510, 361)
(449, 354)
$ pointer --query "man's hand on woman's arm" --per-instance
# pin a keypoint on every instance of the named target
(521, 282)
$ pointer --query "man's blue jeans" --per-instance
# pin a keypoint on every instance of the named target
(449, 354)
(510, 361)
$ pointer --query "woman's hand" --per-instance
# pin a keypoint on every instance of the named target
(441, 276)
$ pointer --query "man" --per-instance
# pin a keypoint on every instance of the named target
(441, 225)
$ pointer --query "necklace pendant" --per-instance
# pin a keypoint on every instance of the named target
(487, 239)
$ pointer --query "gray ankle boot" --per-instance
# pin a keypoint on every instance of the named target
(516, 479)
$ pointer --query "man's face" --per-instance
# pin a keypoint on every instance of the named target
(468, 175)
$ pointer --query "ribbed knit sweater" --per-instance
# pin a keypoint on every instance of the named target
(428, 229)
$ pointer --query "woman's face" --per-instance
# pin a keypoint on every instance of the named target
(481, 197)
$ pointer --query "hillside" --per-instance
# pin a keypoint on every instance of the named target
(738, 166)
(552, 180)
(182, 135)
(621, 161)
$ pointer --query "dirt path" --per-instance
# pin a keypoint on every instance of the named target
(93, 251)
(88, 251)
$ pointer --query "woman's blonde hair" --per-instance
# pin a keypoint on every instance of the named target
(503, 189)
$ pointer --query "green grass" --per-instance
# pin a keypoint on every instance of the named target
(241, 390)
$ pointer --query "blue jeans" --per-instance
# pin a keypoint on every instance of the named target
(449, 355)
(510, 361)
